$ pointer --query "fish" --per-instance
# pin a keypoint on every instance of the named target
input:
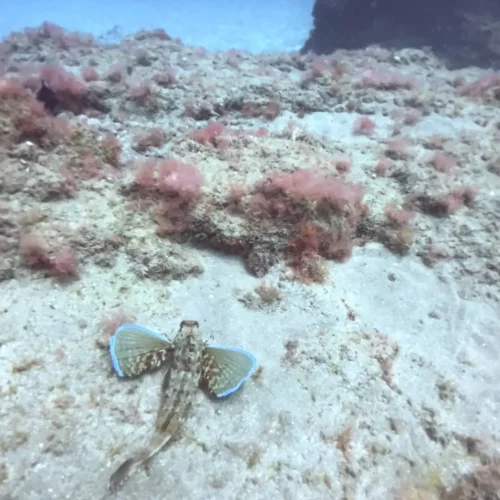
(190, 363)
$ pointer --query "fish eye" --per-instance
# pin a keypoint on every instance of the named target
(188, 322)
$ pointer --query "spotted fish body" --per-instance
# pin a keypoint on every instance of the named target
(178, 389)
(220, 370)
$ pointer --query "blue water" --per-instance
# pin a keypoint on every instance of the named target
(253, 25)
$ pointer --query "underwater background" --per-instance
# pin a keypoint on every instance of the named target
(253, 25)
(293, 206)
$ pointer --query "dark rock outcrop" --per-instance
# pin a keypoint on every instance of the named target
(463, 32)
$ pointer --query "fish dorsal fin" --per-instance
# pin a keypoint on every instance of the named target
(225, 369)
(135, 350)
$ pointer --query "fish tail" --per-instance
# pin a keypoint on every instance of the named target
(124, 471)
(129, 467)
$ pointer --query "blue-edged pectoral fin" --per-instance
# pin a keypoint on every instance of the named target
(135, 350)
(225, 369)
